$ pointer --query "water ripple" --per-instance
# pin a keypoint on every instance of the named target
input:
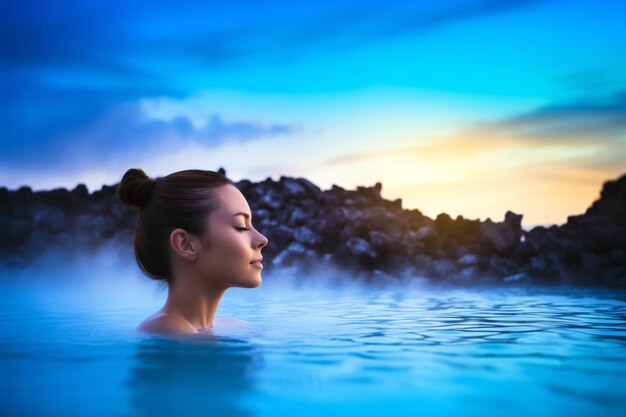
(492, 351)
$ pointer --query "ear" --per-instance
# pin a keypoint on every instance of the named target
(184, 244)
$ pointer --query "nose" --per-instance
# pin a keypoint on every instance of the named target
(263, 241)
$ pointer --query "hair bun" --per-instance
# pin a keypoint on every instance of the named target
(135, 187)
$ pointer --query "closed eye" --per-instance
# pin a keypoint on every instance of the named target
(242, 228)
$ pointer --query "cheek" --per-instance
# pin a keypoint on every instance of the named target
(227, 260)
(235, 246)
(228, 250)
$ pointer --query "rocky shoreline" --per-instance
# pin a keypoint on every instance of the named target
(354, 230)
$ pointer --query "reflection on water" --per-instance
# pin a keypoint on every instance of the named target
(202, 378)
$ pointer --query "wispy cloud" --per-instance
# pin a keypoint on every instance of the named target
(596, 117)
(126, 131)
(100, 33)
(586, 134)
(421, 20)
(64, 66)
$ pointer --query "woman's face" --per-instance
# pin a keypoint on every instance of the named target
(233, 243)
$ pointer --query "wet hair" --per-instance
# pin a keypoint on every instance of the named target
(183, 199)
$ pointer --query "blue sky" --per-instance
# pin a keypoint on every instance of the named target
(464, 107)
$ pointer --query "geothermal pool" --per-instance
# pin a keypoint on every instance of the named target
(68, 348)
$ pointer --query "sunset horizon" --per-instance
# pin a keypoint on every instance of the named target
(468, 108)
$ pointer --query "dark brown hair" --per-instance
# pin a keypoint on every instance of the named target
(183, 199)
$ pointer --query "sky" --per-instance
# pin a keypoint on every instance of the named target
(467, 107)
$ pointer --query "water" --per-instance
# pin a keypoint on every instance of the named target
(313, 351)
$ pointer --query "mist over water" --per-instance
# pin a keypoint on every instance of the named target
(323, 342)
(109, 275)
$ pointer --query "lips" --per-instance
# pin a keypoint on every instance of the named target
(257, 263)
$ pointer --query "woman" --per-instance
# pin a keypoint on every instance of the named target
(194, 232)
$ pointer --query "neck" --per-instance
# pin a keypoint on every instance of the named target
(195, 303)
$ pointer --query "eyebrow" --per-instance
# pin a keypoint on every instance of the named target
(241, 213)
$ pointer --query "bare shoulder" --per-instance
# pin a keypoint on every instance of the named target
(166, 323)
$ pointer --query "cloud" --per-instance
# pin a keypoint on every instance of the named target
(344, 27)
(417, 21)
(581, 135)
(64, 65)
(125, 131)
(593, 117)
(104, 33)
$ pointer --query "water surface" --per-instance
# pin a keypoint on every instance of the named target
(316, 351)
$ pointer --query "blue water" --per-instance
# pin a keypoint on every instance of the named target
(310, 350)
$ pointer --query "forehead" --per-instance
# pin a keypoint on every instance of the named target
(231, 201)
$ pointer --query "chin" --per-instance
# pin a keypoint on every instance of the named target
(256, 283)
(252, 283)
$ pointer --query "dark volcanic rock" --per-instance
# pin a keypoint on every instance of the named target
(353, 229)
(588, 249)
